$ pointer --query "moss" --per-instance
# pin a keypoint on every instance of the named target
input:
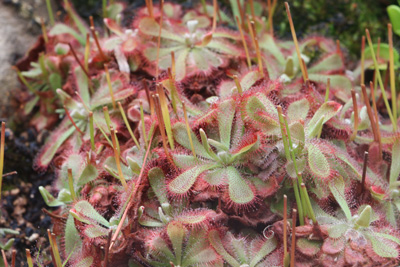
(345, 20)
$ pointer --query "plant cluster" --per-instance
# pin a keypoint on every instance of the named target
(178, 141)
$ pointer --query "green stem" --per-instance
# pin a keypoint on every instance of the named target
(298, 201)
(389, 110)
(203, 3)
(71, 185)
(308, 203)
(143, 125)
(50, 11)
(104, 9)
(127, 125)
(22, 78)
(108, 122)
(91, 131)
(284, 140)
(328, 85)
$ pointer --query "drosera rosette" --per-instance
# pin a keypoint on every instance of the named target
(218, 164)
(177, 245)
(249, 250)
(197, 48)
(125, 46)
(82, 112)
(354, 235)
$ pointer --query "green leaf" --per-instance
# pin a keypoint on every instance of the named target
(297, 133)
(114, 10)
(72, 237)
(216, 242)
(383, 52)
(337, 81)
(4, 231)
(225, 119)
(55, 81)
(55, 140)
(217, 145)
(268, 246)
(222, 48)
(112, 165)
(176, 232)
(30, 104)
(308, 247)
(245, 149)
(181, 137)
(49, 199)
(249, 79)
(298, 110)
(150, 27)
(8, 244)
(318, 162)
(180, 64)
(239, 191)
(389, 237)
(338, 230)
(64, 29)
(64, 196)
(327, 110)
(383, 247)
(394, 15)
(133, 165)
(204, 59)
(269, 44)
(89, 173)
(194, 218)
(32, 73)
(364, 219)
(82, 84)
(163, 249)
(337, 186)
(103, 99)
(93, 231)
(86, 262)
(216, 176)
(317, 128)
(181, 184)
(395, 166)
(149, 222)
(331, 63)
(86, 210)
(240, 248)
(184, 161)
(291, 170)
(157, 183)
(262, 113)
(205, 257)
(206, 145)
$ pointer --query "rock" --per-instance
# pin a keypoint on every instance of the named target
(19, 30)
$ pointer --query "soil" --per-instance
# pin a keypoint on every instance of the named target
(22, 203)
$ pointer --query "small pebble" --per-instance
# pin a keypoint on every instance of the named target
(33, 237)
(15, 191)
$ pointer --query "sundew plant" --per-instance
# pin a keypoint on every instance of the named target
(192, 136)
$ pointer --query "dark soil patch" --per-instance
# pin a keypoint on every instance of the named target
(21, 202)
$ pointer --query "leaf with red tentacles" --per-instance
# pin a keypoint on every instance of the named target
(239, 251)
(180, 246)
(193, 54)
